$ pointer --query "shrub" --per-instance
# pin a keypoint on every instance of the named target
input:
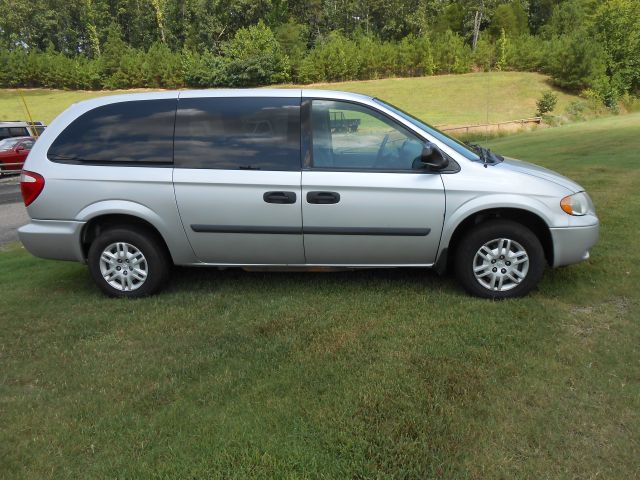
(451, 54)
(577, 109)
(254, 57)
(414, 56)
(162, 68)
(526, 53)
(484, 54)
(203, 69)
(501, 51)
(336, 58)
(546, 103)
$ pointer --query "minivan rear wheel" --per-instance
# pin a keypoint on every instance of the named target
(499, 259)
(128, 262)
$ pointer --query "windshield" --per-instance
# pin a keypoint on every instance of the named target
(8, 143)
(459, 147)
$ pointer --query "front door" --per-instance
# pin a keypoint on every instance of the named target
(366, 200)
(237, 178)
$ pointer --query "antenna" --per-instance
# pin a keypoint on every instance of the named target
(34, 130)
(486, 121)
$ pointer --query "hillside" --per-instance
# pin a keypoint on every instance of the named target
(447, 99)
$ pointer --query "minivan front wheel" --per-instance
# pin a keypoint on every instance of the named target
(499, 259)
(127, 262)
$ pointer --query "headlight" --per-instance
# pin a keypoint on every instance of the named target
(577, 204)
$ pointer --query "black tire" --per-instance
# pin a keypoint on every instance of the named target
(486, 232)
(155, 255)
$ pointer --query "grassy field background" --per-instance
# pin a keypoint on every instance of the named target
(446, 99)
(376, 374)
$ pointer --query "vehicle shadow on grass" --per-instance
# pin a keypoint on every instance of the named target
(420, 281)
(207, 279)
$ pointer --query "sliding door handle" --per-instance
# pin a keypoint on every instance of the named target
(323, 198)
(279, 197)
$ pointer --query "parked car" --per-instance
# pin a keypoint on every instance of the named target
(13, 153)
(133, 184)
(9, 129)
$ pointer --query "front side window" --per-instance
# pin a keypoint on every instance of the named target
(348, 136)
(451, 142)
(130, 133)
(241, 133)
(27, 144)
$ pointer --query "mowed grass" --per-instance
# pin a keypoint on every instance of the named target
(371, 374)
(447, 99)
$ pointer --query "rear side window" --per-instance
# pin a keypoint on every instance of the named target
(18, 131)
(8, 132)
(129, 133)
(238, 133)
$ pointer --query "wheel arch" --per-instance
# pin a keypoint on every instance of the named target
(100, 223)
(527, 218)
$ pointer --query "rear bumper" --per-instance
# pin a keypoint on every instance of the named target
(54, 239)
(571, 245)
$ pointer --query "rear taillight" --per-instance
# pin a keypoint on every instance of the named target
(31, 184)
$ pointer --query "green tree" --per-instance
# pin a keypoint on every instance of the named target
(336, 58)
(292, 37)
(509, 18)
(451, 54)
(616, 28)
(576, 61)
(254, 57)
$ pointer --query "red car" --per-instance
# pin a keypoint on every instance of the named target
(14, 151)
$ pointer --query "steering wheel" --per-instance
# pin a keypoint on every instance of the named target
(381, 151)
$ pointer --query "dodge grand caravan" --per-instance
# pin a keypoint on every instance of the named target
(133, 184)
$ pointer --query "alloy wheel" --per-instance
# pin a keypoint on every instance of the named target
(500, 264)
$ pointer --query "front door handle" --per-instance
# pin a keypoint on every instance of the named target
(323, 198)
(279, 197)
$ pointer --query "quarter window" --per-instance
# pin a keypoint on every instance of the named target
(348, 136)
(238, 133)
(130, 133)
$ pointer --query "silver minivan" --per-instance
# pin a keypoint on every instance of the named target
(299, 179)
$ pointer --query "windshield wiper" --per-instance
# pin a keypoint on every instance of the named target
(485, 154)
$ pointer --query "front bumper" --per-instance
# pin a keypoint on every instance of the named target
(572, 244)
(54, 239)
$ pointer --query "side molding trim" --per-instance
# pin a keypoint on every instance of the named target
(383, 232)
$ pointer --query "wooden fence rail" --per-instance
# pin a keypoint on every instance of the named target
(492, 126)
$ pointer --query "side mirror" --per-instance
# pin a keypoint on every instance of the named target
(433, 159)
(20, 149)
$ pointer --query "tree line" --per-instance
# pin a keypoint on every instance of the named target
(95, 44)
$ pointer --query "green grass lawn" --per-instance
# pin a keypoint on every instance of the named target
(446, 99)
(373, 374)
